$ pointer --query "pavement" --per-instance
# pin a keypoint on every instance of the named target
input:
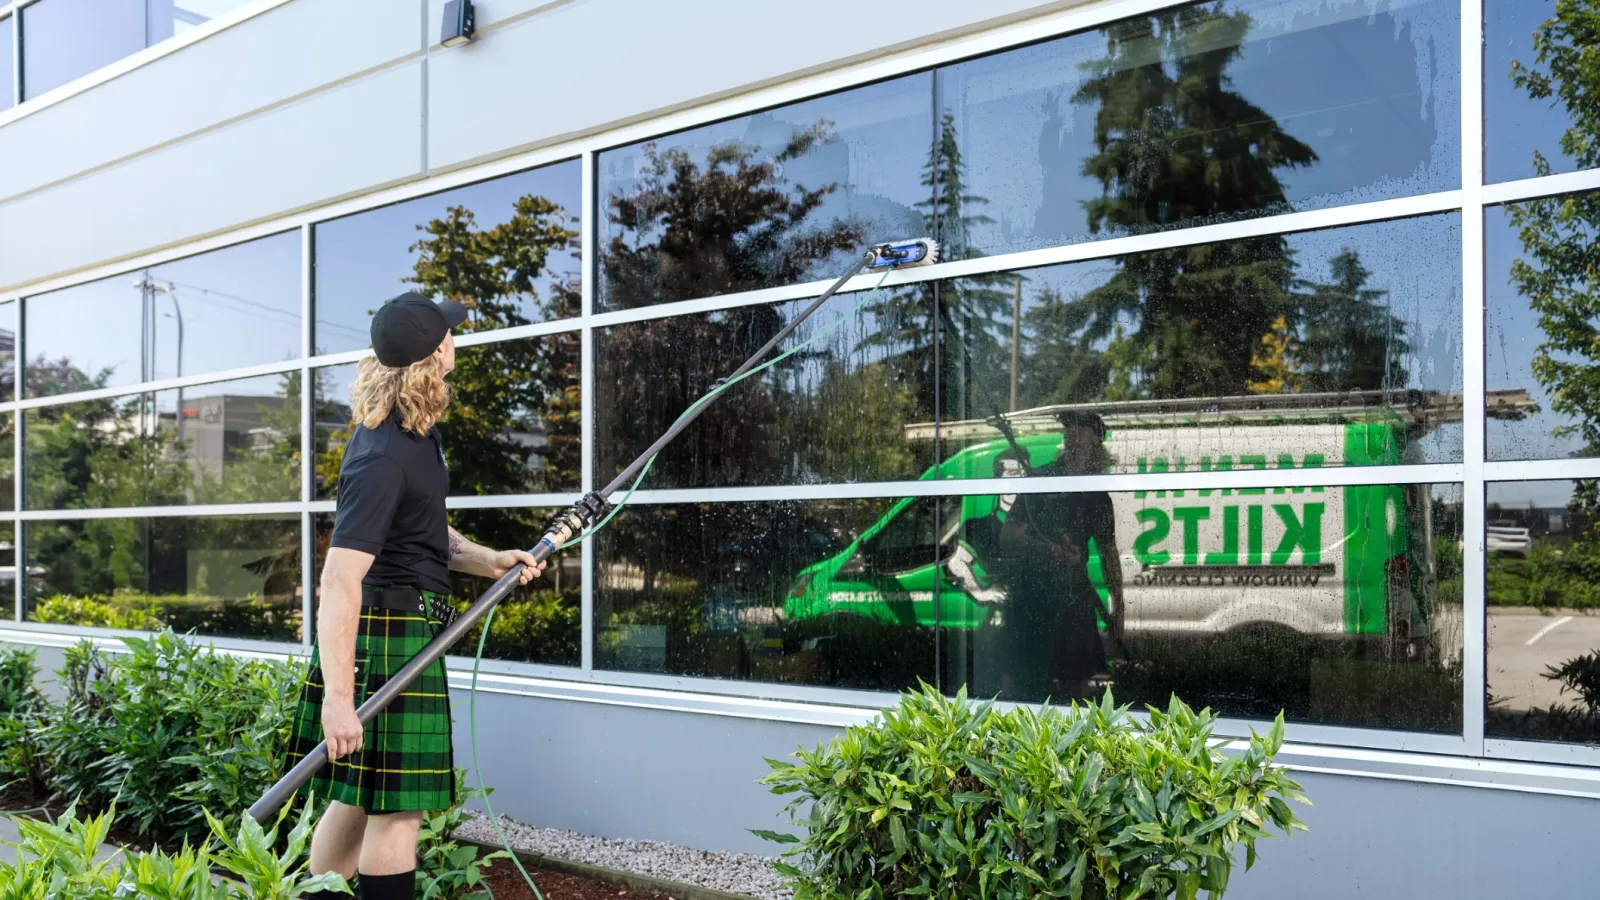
(1523, 642)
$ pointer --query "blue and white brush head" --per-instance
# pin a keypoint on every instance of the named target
(905, 254)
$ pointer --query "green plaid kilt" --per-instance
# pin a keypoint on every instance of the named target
(406, 761)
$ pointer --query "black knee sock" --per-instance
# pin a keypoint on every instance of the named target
(325, 895)
(400, 886)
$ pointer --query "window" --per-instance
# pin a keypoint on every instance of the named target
(1338, 605)
(782, 196)
(1539, 334)
(224, 576)
(227, 442)
(773, 592)
(513, 425)
(1327, 348)
(513, 239)
(8, 63)
(234, 307)
(537, 623)
(1534, 95)
(1304, 105)
(834, 412)
(8, 350)
(66, 39)
(1543, 645)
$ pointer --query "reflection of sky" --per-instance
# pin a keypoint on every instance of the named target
(1371, 86)
(1541, 494)
(1514, 124)
(240, 307)
(364, 259)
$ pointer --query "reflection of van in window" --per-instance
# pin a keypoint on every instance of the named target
(1329, 561)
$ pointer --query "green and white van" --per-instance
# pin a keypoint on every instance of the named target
(1341, 562)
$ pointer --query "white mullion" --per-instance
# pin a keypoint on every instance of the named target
(308, 421)
(150, 387)
(1349, 476)
(1542, 470)
(537, 329)
(19, 548)
(1546, 186)
(159, 512)
(1474, 624)
(15, 25)
(510, 501)
(589, 218)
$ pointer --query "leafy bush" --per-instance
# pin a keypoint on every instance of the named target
(166, 727)
(21, 708)
(447, 870)
(58, 861)
(940, 798)
(253, 617)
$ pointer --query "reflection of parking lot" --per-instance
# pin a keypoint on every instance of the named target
(1522, 643)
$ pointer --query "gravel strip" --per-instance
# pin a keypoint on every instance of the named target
(736, 873)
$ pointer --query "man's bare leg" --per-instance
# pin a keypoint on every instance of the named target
(336, 842)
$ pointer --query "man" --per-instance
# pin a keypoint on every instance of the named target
(384, 595)
(1052, 640)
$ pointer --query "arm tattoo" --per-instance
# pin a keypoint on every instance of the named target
(455, 544)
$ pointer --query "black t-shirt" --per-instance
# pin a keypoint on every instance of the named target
(392, 486)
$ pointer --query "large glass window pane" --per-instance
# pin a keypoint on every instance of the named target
(234, 307)
(1328, 348)
(1543, 580)
(8, 467)
(1543, 354)
(513, 426)
(1538, 89)
(222, 576)
(1337, 605)
(64, 39)
(507, 248)
(720, 590)
(8, 350)
(8, 570)
(835, 412)
(538, 623)
(8, 65)
(1208, 113)
(227, 442)
(786, 195)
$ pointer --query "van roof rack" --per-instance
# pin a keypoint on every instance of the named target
(1419, 411)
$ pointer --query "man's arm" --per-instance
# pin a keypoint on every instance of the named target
(338, 616)
(476, 559)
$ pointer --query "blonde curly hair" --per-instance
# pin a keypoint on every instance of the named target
(419, 392)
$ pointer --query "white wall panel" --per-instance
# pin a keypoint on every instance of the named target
(283, 53)
(576, 66)
(355, 137)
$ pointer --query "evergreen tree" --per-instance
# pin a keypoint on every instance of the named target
(1348, 339)
(1176, 145)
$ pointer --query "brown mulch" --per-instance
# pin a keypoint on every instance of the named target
(507, 884)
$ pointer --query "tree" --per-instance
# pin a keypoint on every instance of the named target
(950, 321)
(1348, 340)
(1560, 273)
(1176, 145)
(1061, 367)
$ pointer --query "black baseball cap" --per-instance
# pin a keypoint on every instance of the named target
(409, 327)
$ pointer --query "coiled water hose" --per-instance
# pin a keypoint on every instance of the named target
(488, 622)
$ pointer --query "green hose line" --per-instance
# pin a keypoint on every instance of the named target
(483, 637)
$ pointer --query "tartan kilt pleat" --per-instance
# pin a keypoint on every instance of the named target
(406, 761)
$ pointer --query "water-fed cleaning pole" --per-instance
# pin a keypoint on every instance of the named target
(569, 524)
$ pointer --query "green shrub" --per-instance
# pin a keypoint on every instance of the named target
(941, 798)
(447, 870)
(252, 617)
(166, 727)
(57, 861)
(22, 707)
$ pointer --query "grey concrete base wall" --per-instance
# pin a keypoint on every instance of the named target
(691, 779)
